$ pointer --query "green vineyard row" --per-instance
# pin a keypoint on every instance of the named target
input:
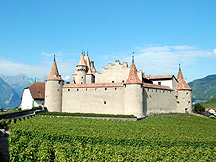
(73, 139)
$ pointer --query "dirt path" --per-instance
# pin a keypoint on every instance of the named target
(4, 146)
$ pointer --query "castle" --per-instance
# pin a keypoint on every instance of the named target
(118, 89)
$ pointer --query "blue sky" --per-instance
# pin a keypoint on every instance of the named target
(161, 33)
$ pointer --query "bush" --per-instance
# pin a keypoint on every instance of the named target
(198, 108)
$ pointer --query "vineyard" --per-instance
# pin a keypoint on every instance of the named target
(176, 138)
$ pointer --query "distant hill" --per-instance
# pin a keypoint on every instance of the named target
(8, 97)
(18, 82)
(210, 103)
(203, 89)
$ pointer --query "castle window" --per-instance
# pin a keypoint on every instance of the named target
(112, 81)
(77, 89)
(122, 81)
(187, 93)
(95, 89)
(177, 102)
(163, 91)
(105, 89)
(82, 77)
(81, 82)
(68, 89)
(115, 88)
(159, 83)
(57, 89)
(148, 89)
(86, 89)
(104, 102)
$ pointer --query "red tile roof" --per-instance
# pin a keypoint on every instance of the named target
(82, 61)
(182, 84)
(37, 90)
(159, 77)
(54, 74)
(148, 85)
(93, 85)
(133, 77)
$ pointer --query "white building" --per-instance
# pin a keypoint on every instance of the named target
(33, 95)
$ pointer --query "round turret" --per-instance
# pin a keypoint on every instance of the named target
(53, 90)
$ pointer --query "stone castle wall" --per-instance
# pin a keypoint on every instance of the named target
(159, 101)
(108, 100)
(117, 73)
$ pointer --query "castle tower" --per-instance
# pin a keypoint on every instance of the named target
(81, 70)
(53, 90)
(133, 94)
(184, 94)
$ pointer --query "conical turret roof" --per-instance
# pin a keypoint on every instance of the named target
(133, 77)
(54, 74)
(87, 60)
(81, 61)
(182, 84)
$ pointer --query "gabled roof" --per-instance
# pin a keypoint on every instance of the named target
(133, 77)
(54, 74)
(182, 84)
(37, 90)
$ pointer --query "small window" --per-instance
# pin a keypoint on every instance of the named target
(57, 89)
(105, 89)
(112, 81)
(122, 81)
(77, 89)
(104, 102)
(177, 102)
(86, 89)
(115, 88)
(159, 83)
(95, 89)
(81, 82)
(59, 81)
(82, 77)
(68, 89)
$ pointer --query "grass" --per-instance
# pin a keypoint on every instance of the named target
(85, 114)
(210, 103)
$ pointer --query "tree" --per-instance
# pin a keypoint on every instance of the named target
(198, 108)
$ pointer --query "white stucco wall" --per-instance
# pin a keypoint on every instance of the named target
(27, 100)
(164, 82)
(38, 103)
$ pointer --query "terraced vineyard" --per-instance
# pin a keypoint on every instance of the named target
(75, 139)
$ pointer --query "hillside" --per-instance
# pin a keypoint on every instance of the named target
(210, 103)
(203, 89)
(9, 97)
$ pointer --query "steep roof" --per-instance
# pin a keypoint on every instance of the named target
(81, 61)
(37, 90)
(54, 74)
(87, 60)
(133, 77)
(182, 84)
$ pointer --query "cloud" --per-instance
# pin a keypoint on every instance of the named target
(214, 51)
(67, 78)
(157, 60)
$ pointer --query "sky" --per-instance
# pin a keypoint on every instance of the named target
(161, 33)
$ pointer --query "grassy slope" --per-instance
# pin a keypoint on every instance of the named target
(210, 103)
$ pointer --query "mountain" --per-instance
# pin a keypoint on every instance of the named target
(203, 89)
(9, 97)
(18, 82)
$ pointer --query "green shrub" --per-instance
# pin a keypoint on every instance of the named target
(198, 108)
